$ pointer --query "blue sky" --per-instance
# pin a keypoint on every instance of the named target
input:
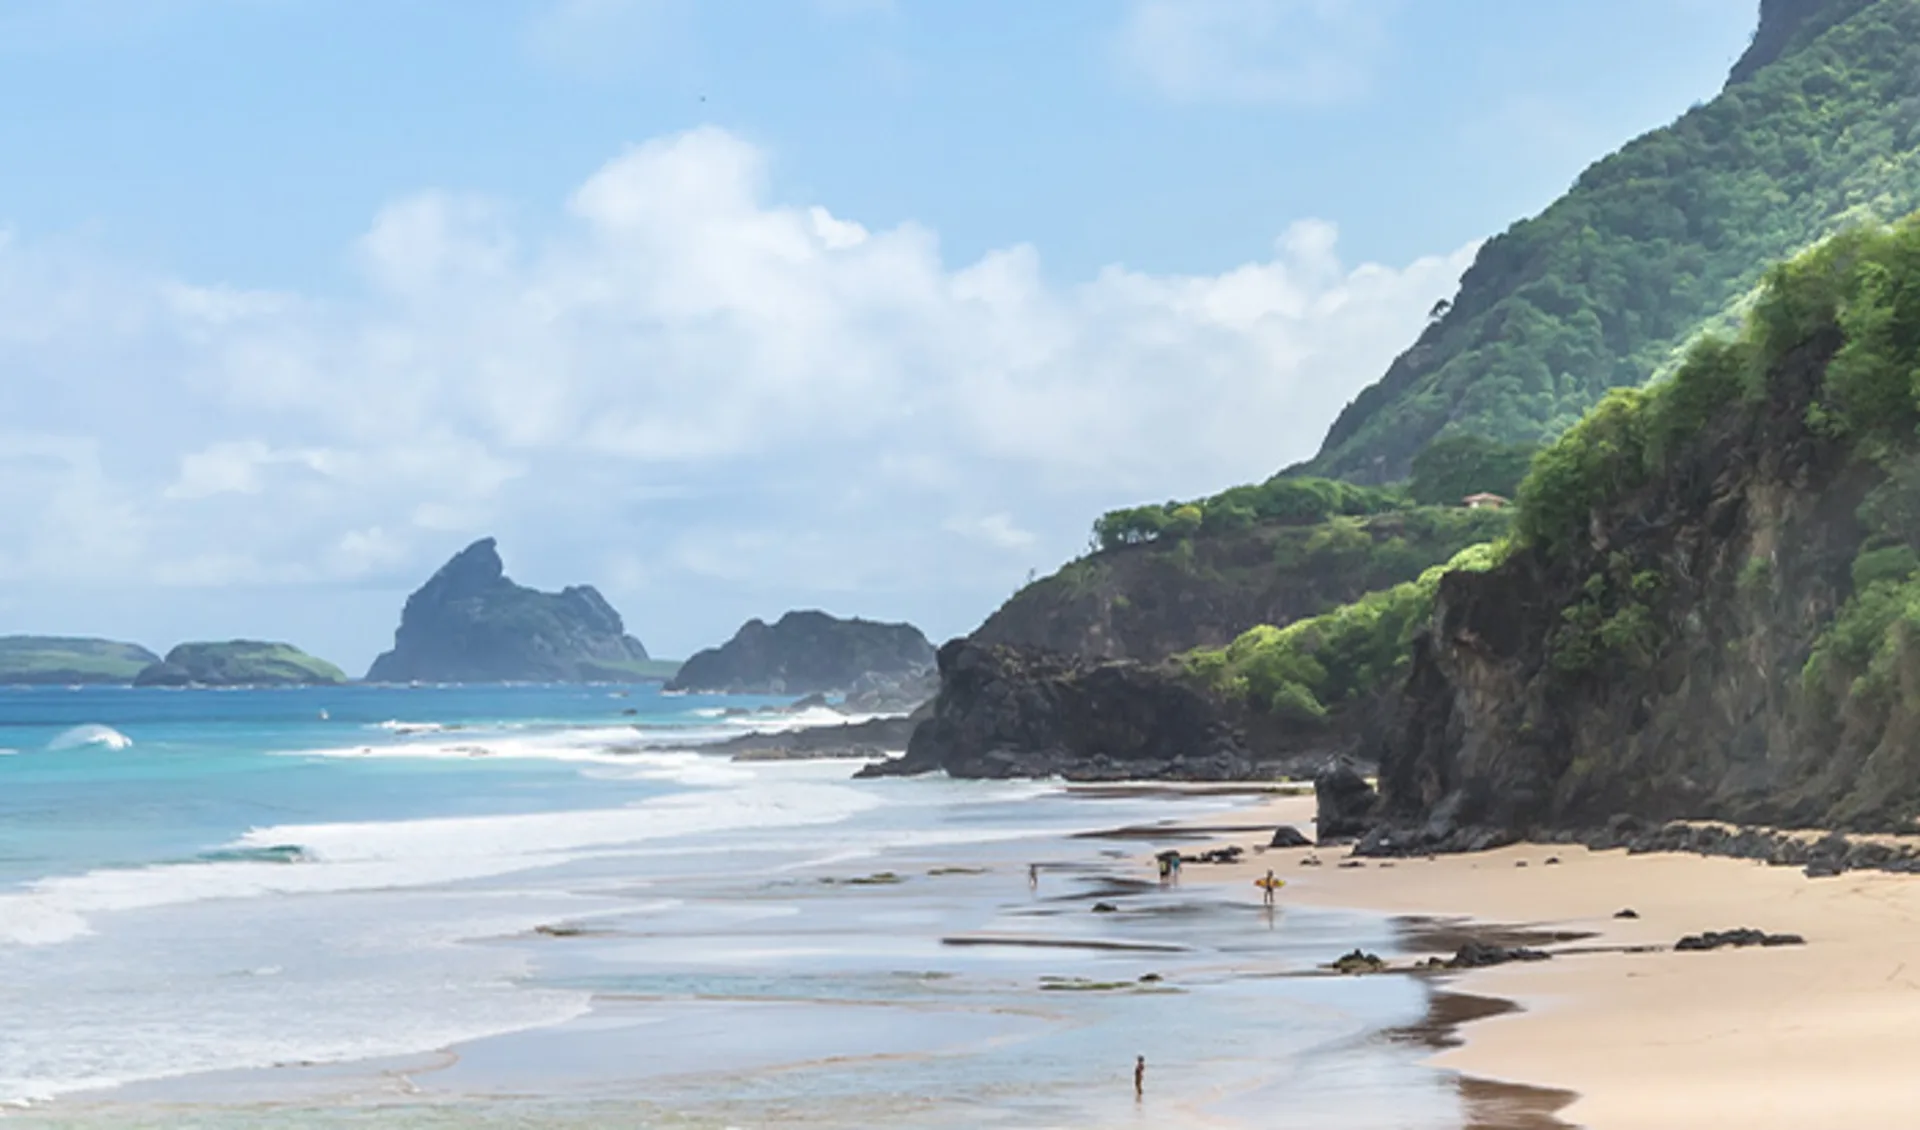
(725, 308)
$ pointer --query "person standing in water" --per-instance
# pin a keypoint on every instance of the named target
(1266, 888)
(1033, 876)
(1139, 1077)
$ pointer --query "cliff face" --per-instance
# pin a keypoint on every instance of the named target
(1011, 712)
(1726, 627)
(471, 624)
(811, 653)
(239, 663)
(1148, 602)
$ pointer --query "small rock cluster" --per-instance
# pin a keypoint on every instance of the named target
(1479, 955)
(1229, 854)
(1745, 936)
(1830, 855)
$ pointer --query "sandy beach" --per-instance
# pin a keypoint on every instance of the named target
(1650, 1039)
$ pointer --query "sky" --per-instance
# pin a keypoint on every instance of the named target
(862, 305)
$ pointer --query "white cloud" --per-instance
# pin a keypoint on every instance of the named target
(997, 530)
(713, 403)
(1262, 51)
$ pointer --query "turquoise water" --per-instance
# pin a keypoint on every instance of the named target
(205, 766)
(207, 896)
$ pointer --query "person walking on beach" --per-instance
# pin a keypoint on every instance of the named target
(1266, 888)
(1139, 1077)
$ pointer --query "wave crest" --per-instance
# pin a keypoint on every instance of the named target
(91, 734)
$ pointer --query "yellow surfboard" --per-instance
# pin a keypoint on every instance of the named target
(1270, 884)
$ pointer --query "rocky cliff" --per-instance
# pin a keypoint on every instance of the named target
(1153, 600)
(1012, 712)
(239, 663)
(812, 652)
(471, 624)
(1713, 606)
(64, 660)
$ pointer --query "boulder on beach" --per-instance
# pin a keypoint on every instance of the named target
(1344, 803)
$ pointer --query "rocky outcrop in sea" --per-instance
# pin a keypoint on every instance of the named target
(886, 666)
(471, 624)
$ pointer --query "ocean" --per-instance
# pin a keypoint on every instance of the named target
(544, 906)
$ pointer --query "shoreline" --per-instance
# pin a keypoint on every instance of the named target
(1634, 1034)
(558, 1074)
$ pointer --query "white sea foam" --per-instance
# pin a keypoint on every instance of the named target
(91, 734)
(393, 726)
(809, 718)
(413, 853)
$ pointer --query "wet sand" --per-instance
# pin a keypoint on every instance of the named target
(1645, 1037)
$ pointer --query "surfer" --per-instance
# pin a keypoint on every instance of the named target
(1033, 876)
(1139, 1077)
(1267, 886)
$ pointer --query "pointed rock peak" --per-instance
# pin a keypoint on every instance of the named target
(471, 624)
(1783, 23)
(476, 567)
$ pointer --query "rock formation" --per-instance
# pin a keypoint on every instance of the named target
(239, 663)
(811, 653)
(471, 624)
(1157, 599)
(1009, 712)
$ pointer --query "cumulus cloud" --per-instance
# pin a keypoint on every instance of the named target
(714, 403)
(1277, 51)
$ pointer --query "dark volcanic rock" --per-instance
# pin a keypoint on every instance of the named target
(1288, 836)
(470, 624)
(812, 652)
(1745, 936)
(1004, 712)
(1358, 961)
(1344, 803)
(1742, 550)
(1479, 955)
(877, 693)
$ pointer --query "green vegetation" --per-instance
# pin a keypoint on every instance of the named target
(63, 660)
(1453, 467)
(1300, 671)
(239, 663)
(1152, 601)
(1613, 617)
(1609, 284)
(1856, 295)
(1294, 502)
(1860, 290)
